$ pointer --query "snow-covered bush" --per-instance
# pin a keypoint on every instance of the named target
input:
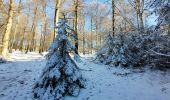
(136, 50)
(61, 75)
(113, 51)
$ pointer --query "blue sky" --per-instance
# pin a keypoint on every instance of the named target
(151, 20)
(50, 10)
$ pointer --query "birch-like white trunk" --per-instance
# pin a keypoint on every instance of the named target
(8, 29)
(57, 15)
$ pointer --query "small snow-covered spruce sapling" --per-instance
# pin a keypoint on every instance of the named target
(61, 76)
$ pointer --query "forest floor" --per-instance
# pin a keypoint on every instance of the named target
(18, 76)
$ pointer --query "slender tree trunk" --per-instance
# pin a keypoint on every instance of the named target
(137, 14)
(141, 22)
(141, 16)
(41, 39)
(1, 2)
(22, 39)
(137, 18)
(84, 36)
(124, 8)
(169, 29)
(96, 26)
(1, 35)
(76, 22)
(33, 30)
(8, 29)
(44, 44)
(139, 11)
(16, 26)
(97, 34)
(56, 15)
(21, 46)
(73, 23)
(43, 29)
(91, 35)
(113, 17)
(28, 38)
(100, 38)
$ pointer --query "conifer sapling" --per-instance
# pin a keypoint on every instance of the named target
(61, 76)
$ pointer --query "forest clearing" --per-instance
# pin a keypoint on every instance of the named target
(84, 49)
(103, 82)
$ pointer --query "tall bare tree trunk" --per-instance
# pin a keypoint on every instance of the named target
(96, 22)
(76, 21)
(8, 29)
(113, 17)
(1, 2)
(141, 16)
(41, 40)
(84, 36)
(16, 26)
(137, 18)
(24, 31)
(137, 14)
(43, 28)
(28, 38)
(57, 15)
(141, 22)
(1, 38)
(21, 46)
(97, 34)
(44, 43)
(125, 14)
(33, 29)
(91, 35)
(169, 29)
(139, 11)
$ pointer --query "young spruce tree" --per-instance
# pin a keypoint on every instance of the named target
(61, 75)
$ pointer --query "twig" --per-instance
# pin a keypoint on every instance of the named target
(161, 54)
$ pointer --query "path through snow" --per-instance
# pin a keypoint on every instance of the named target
(103, 83)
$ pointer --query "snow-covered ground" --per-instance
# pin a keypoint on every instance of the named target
(103, 83)
(18, 76)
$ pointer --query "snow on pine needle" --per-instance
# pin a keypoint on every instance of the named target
(61, 76)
